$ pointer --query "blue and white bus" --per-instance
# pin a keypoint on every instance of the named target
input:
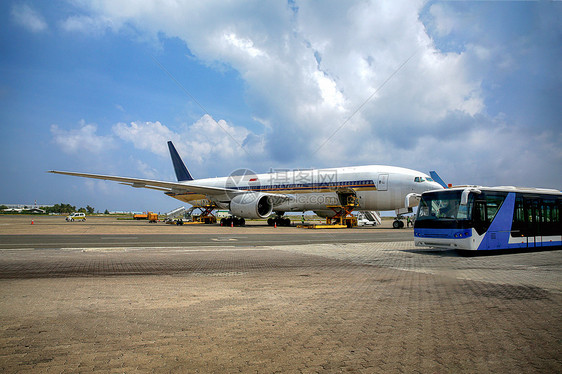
(489, 218)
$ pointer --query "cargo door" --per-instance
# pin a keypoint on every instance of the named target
(382, 184)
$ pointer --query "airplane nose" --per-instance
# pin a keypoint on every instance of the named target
(432, 186)
(436, 186)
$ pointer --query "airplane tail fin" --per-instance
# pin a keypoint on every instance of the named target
(438, 179)
(181, 171)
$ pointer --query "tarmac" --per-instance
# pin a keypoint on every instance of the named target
(245, 306)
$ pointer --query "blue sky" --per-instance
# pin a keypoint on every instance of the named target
(100, 86)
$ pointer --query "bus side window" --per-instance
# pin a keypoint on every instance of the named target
(493, 204)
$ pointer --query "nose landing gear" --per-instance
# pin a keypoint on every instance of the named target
(398, 224)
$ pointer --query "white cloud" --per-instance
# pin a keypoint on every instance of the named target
(150, 136)
(83, 139)
(146, 170)
(496, 155)
(245, 46)
(443, 24)
(309, 70)
(88, 25)
(206, 140)
(308, 67)
(29, 18)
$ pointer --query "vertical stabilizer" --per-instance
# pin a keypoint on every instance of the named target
(181, 171)
(437, 178)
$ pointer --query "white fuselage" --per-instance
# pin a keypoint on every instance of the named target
(376, 187)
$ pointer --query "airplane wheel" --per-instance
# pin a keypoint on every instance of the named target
(287, 222)
(396, 224)
(270, 222)
(242, 222)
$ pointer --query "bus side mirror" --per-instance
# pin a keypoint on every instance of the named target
(411, 200)
(465, 192)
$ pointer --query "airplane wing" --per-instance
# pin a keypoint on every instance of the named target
(176, 187)
(153, 184)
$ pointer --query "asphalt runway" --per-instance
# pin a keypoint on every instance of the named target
(112, 296)
(56, 233)
(192, 240)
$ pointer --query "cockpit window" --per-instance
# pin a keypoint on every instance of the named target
(429, 179)
(418, 179)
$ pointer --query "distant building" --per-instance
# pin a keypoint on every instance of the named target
(28, 208)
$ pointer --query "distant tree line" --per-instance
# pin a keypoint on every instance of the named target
(60, 209)
(67, 208)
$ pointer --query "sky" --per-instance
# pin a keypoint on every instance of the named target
(472, 90)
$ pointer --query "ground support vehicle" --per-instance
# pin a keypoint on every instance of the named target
(475, 218)
(150, 216)
(77, 216)
(367, 218)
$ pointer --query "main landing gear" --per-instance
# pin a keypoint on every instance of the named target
(279, 220)
(233, 221)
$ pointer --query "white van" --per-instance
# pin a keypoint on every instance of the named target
(76, 217)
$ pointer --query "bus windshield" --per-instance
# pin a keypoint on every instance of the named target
(443, 205)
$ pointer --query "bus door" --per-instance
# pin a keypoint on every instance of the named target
(551, 229)
(533, 211)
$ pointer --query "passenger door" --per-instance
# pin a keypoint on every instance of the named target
(533, 211)
(382, 184)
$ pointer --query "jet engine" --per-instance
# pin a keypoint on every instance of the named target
(251, 205)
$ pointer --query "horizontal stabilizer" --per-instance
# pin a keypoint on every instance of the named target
(181, 171)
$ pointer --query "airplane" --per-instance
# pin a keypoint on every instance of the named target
(328, 192)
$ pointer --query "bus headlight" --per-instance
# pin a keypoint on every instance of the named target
(462, 234)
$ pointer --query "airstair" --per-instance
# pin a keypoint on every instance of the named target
(176, 213)
(373, 216)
